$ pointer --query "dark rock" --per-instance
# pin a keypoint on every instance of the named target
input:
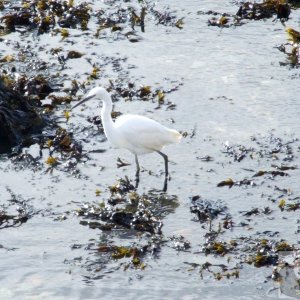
(19, 120)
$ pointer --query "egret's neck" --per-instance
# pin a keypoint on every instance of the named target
(107, 122)
(106, 112)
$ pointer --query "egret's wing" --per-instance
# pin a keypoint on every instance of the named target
(142, 132)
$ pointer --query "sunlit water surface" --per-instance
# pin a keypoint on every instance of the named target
(233, 88)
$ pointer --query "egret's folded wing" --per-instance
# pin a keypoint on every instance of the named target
(145, 133)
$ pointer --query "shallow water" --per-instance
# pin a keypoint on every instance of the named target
(233, 88)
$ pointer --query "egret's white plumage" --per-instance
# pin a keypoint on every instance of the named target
(138, 134)
(148, 135)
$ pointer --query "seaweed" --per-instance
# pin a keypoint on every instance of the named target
(129, 213)
(291, 49)
(41, 15)
(138, 212)
(180, 243)
(207, 210)
(129, 91)
(121, 21)
(22, 211)
(251, 11)
(266, 9)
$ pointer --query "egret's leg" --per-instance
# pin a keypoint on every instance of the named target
(137, 174)
(166, 162)
(137, 166)
(137, 181)
(165, 184)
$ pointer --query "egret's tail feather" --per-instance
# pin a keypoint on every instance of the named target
(176, 136)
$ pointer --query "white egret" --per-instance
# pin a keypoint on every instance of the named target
(138, 134)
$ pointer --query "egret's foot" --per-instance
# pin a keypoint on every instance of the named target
(121, 163)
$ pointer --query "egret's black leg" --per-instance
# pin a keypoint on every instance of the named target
(166, 162)
(137, 174)
(165, 184)
(137, 181)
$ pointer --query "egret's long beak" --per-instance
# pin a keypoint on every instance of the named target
(82, 101)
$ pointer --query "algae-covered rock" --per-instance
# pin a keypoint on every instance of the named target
(19, 120)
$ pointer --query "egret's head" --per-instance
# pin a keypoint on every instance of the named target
(99, 93)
